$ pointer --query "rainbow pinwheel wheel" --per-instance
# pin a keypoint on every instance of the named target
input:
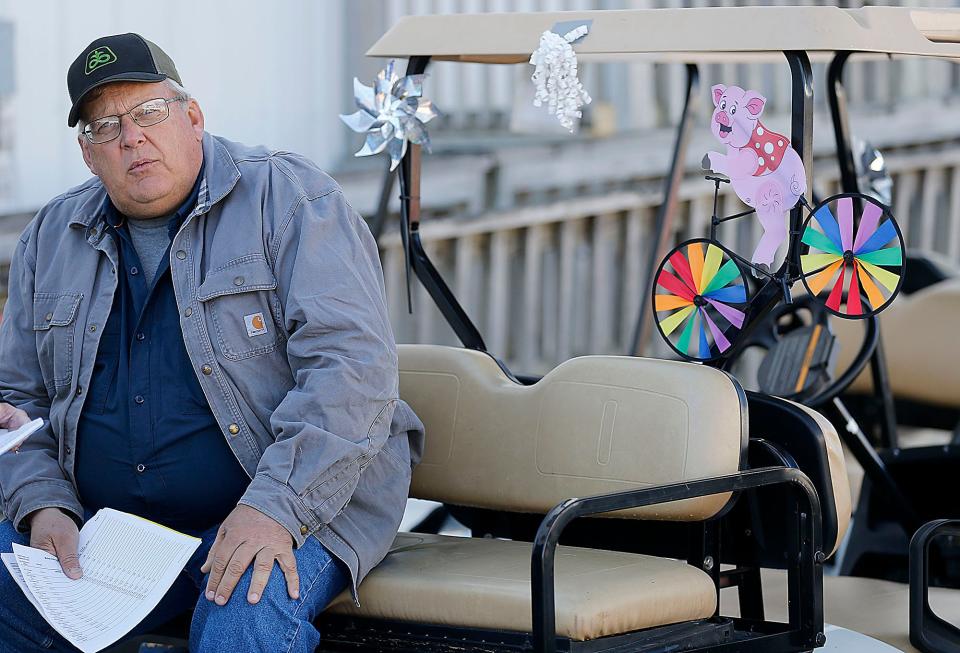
(852, 260)
(701, 311)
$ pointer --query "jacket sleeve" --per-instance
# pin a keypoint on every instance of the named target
(33, 478)
(343, 359)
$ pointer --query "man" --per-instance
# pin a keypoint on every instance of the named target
(203, 326)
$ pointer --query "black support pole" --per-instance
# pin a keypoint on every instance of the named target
(801, 136)
(415, 256)
(837, 100)
(663, 228)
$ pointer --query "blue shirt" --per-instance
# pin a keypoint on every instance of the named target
(147, 441)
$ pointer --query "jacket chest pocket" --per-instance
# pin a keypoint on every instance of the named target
(54, 317)
(239, 301)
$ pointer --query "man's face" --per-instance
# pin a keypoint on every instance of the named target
(147, 171)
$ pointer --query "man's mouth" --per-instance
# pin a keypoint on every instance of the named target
(724, 130)
(140, 165)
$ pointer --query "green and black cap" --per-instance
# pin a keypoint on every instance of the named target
(118, 58)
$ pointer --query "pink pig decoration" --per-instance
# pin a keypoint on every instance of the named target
(765, 172)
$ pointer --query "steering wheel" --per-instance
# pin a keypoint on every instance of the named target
(800, 349)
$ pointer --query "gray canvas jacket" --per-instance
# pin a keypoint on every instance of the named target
(310, 408)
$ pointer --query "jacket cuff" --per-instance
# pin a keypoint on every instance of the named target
(277, 501)
(44, 494)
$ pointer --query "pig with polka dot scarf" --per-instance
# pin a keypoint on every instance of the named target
(764, 171)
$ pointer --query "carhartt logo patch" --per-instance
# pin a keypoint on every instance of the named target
(99, 58)
(255, 324)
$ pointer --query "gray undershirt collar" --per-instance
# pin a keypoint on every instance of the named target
(151, 238)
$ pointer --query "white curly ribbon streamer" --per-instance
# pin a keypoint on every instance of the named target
(556, 76)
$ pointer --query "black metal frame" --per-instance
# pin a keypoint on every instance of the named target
(928, 632)
(747, 634)
(342, 634)
(415, 255)
(805, 575)
(419, 262)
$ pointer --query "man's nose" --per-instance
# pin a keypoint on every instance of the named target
(131, 134)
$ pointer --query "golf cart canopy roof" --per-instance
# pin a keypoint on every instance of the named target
(686, 35)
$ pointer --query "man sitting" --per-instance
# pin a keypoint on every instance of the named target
(202, 325)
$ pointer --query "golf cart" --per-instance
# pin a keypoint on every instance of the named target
(702, 484)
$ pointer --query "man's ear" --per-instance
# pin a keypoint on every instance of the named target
(195, 116)
(87, 158)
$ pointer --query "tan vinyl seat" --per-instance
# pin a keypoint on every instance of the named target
(483, 583)
(593, 425)
(876, 608)
(920, 344)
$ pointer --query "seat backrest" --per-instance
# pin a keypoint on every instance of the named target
(812, 441)
(593, 425)
(919, 343)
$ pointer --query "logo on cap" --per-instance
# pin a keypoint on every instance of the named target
(99, 57)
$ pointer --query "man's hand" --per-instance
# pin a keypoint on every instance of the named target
(12, 418)
(246, 536)
(56, 533)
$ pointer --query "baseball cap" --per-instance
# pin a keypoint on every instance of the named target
(117, 58)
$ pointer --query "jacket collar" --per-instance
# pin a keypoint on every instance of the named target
(220, 175)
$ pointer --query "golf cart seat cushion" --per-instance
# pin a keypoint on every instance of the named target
(920, 344)
(838, 475)
(485, 583)
(593, 425)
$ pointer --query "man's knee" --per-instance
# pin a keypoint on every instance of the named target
(275, 622)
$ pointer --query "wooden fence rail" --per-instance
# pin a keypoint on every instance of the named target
(545, 283)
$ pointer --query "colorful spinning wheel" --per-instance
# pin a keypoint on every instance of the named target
(854, 266)
(700, 299)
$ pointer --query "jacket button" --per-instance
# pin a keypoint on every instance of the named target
(141, 467)
(207, 370)
(79, 390)
(188, 312)
(139, 399)
(303, 529)
(93, 328)
(181, 254)
(48, 317)
(238, 281)
(234, 429)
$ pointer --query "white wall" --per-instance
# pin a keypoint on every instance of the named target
(264, 72)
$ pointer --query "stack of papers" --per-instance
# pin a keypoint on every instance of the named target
(128, 565)
(11, 439)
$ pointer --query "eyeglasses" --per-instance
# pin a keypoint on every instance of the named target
(151, 112)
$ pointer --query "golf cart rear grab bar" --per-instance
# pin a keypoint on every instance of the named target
(805, 579)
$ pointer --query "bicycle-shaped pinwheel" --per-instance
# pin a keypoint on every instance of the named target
(848, 252)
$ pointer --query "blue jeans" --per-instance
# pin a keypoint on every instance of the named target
(276, 623)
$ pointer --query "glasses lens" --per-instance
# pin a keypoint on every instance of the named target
(150, 112)
(103, 129)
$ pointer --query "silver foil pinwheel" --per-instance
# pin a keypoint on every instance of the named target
(392, 112)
